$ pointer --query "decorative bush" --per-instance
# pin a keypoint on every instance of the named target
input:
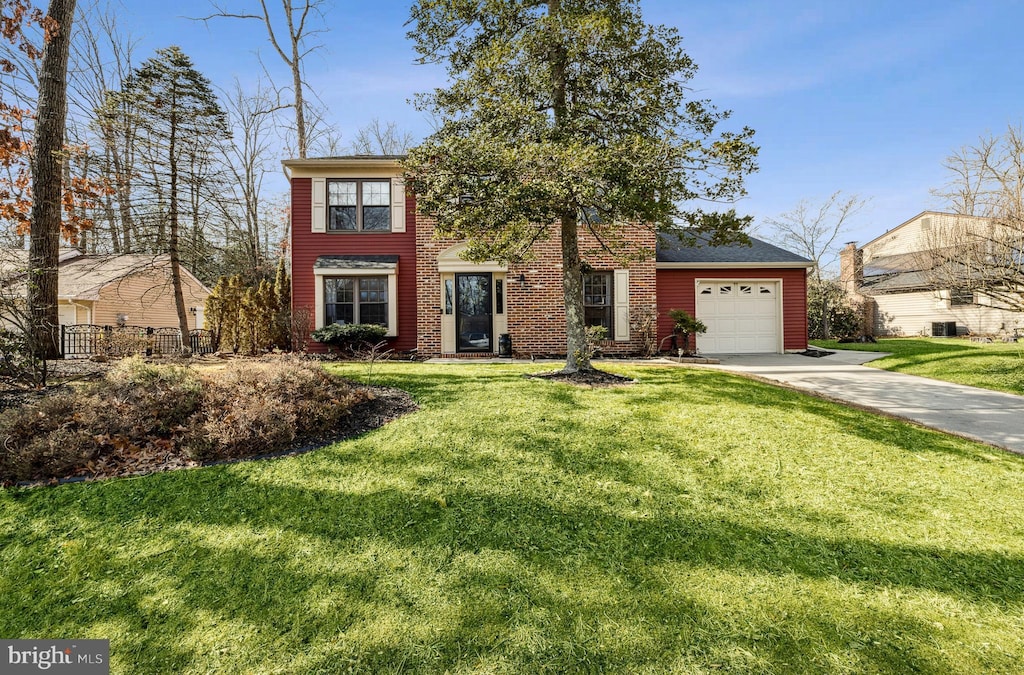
(685, 325)
(142, 417)
(350, 336)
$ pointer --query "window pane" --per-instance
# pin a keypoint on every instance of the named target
(373, 289)
(373, 312)
(377, 218)
(338, 289)
(376, 193)
(499, 296)
(341, 193)
(595, 289)
(339, 313)
(342, 218)
(598, 316)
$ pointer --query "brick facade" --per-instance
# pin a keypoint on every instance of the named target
(535, 307)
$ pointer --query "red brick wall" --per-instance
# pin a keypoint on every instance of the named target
(536, 313)
(677, 288)
(306, 246)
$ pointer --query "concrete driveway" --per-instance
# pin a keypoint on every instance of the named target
(987, 416)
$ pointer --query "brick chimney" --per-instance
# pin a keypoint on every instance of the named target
(851, 269)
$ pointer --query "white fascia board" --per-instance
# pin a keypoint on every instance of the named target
(733, 265)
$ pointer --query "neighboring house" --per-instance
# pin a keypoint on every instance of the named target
(360, 253)
(899, 278)
(110, 290)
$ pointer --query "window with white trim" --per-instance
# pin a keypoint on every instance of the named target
(356, 300)
(598, 301)
(358, 205)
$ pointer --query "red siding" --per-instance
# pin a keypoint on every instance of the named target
(676, 290)
(306, 246)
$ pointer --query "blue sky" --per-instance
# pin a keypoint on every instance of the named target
(867, 97)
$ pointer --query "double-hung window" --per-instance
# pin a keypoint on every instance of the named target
(356, 300)
(359, 205)
(598, 301)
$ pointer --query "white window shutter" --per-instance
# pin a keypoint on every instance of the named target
(621, 305)
(398, 204)
(319, 205)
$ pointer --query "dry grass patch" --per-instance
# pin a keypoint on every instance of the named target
(141, 417)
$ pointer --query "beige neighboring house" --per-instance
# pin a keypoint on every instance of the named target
(110, 290)
(892, 274)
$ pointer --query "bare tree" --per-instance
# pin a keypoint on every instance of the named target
(381, 139)
(293, 42)
(101, 61)
(982, 250)
(812, 231)
(248, 160)
(47, 178)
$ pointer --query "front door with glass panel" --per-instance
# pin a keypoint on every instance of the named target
(474, 324)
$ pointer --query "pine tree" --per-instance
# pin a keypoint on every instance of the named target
(283, 302)
(179, 121)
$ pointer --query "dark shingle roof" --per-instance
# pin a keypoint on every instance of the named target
(672, 250)
(355, 261)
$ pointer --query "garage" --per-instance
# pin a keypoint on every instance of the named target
(742, 316)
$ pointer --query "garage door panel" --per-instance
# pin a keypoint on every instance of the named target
(741, 316)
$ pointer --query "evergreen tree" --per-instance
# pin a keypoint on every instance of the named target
(283, 302)
(179, 121)
(562, 115)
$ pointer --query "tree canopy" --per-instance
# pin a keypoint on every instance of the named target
(567, 114)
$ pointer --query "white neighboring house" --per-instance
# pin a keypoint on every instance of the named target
(892, 274)
(110, 290)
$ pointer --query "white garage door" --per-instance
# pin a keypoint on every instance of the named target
(742, 317)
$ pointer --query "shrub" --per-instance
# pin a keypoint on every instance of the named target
(350, 336)
(146, 398)
(44, 439)
(263, 408)
(829, 298)
(140, 415)
(686, 325)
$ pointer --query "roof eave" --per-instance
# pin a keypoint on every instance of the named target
(733, 265)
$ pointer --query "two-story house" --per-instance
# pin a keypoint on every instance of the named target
(360, 253)
(908, 279)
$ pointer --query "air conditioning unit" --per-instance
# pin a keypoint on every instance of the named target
(944, 329)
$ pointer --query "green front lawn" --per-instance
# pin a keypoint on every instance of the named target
(996, 365)
(695, 522)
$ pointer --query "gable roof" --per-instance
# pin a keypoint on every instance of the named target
(81, 277)
(673, 253)
(888, 233)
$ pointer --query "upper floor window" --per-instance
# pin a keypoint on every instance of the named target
(359, 205)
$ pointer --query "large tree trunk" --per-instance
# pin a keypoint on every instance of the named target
(174, 245)
(577, 356)
(47, 160)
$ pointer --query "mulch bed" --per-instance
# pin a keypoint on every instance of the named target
(585, 378)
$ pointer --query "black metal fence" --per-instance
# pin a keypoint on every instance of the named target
(83, 340)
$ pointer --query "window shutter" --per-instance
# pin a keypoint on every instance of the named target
(319, 205)
(622, 305)
(398, 204)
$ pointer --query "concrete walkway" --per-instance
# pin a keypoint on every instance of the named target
(987, 416)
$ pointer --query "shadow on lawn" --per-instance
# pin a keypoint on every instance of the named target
(451, 558)
(516, 578)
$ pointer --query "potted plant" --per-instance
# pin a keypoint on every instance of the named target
(684, 325)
